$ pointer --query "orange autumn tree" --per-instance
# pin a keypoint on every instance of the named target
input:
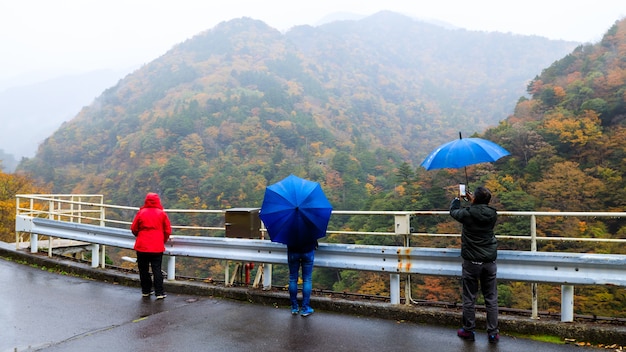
(565, 187)
(10, 185)
(577, 131)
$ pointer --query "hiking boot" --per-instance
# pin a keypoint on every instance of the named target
(494, 338)
(466, 335)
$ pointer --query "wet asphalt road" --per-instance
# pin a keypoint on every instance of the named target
(42, 311)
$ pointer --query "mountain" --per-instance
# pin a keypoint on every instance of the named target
(353, 105)
(417, 74)
(568, 141)
(57, 100)
(221, 115)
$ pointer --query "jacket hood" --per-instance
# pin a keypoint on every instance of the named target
(483, 212)
(152, 201)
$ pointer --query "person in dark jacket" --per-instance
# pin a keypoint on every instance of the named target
(479, 253)
(152, 228)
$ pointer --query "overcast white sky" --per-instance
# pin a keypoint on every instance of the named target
(83, 35)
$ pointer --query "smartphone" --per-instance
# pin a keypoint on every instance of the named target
(462, 190)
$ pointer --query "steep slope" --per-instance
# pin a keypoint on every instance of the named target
(568, 142)
(218, 117)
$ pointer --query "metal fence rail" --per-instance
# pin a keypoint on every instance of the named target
(85, 208)
(90, 209)
(560, 268)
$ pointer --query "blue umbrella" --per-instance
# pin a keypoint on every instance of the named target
(463, 152)
(295, 211)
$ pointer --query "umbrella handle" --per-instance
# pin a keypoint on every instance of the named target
(465, 167)
(466, 178)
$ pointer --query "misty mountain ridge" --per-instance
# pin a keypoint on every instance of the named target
(59, 99)
(62, 97)
(243, 104)
(349, 16)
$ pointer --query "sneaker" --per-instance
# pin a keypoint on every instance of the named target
(494, 338)
(306, 311)
(161, 296)
(466, 335)
(146, 294)
(295, 310)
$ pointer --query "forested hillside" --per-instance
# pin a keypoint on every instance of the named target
(220, 116)
(567, 144)
(568, 153)
(568, 141)
(357, 106)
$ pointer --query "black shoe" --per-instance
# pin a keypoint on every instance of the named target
(466, 335)
(494, 338)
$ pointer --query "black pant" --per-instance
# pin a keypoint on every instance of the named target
(145, 261)
(472, 275)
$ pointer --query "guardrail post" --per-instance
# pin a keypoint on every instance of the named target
(267, 276)
(407, 283)
(171, 268)
(103, 256)
(95, 255)
(394, 288)
(533, 286)
(34, 246)
(17, 233)
(102, 213)
(402, 228)
(567, 303)
(102, 223)
(226, 273)
(72, 214)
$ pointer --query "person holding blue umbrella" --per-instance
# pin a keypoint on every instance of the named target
(479, 253)
(296, 213)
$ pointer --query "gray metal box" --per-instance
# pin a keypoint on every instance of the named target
(242, 223)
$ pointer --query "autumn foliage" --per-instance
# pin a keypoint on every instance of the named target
(10, 185)
(219, 117)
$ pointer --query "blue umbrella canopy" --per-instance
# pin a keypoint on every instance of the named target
(463, 152)
(295, 211)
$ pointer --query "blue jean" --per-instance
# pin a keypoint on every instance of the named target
(472, 275)
(296, 261)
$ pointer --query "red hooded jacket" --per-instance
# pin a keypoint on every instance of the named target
(151, 226)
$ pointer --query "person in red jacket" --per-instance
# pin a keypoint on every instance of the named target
(152, 228)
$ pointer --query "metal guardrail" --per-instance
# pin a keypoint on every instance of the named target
(557, 268)
(90, 209)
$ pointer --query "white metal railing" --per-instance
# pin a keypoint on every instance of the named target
(77, 208)
(90, 209)
(562, 268)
